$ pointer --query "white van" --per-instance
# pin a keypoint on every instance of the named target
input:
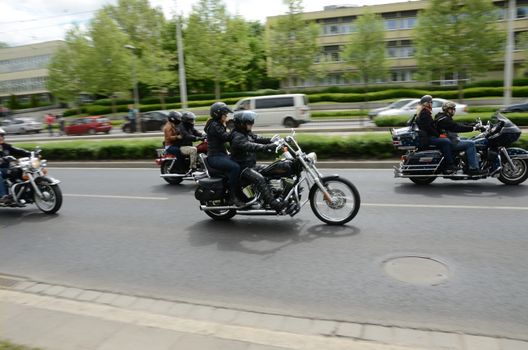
(288, 110)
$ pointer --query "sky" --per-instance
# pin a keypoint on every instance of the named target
(31, 21)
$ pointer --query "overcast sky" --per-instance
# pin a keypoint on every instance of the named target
(30, 21)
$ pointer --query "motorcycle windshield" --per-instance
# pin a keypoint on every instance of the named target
(499, 117)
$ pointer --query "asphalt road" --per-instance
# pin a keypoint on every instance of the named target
(124, 230)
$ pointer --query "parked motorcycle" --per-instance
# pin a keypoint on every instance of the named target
(422, 165)
(175, 169)
(333, 200)
(27, 183)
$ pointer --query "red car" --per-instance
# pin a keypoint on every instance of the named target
(88, 125)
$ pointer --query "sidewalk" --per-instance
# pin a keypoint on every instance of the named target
(60, 317)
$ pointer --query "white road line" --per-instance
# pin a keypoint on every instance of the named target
(440, 206)
(115, 197)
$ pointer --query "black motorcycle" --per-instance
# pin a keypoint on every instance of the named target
(175, 169)
(423, 164)
(333, 200)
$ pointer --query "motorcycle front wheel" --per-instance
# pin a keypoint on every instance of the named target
(343, 205)
(52, 198)
(511, 176)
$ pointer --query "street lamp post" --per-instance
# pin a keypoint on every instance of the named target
(134, 80)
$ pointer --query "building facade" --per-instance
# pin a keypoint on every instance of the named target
(336, 23)
(24, 73)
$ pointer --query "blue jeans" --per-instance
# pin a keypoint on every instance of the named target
(471, 152)
(3, 189)
(446, 147)
(225, 164)
(174, 150)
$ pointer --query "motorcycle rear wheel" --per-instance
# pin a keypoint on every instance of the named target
(52, 204)
(165, 169)
(509, 176)
(422, 180)
(345, 201)
(219, 215)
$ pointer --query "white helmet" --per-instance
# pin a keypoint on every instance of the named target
(2, 132)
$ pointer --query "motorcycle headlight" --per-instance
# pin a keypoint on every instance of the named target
(312, 157)
(35, 163)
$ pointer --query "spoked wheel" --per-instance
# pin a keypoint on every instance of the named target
(52, 198)
(422, 180)
(511, 176)
(341, 207)
(165, 169)
(220, 215)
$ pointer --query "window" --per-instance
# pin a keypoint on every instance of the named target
(275, 102)
(391, 24)
(522, 11)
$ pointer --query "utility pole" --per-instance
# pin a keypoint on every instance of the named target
(181, 64)
(136, 93)
(508, 60)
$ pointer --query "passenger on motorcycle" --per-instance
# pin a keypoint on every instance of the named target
(425, 122)
(7, 150)
(172, 133)
(189, 135)
(446, 125)
(244, 145)
(217, 137)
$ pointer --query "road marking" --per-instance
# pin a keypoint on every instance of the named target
(440, 206)
(115, 197)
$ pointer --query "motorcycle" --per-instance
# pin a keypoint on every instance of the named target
(333, 200)
(423, 165)
(175, 169)
(27, 183)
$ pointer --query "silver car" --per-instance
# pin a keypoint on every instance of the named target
(20, 125)
(410, 108)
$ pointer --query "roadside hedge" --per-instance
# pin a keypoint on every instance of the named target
(365, 146)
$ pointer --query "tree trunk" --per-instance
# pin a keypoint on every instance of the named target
(365, 97)
(162, 100)
(460, 91)
(113, 104)
(217, 90)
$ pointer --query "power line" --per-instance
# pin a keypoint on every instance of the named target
(43, 18)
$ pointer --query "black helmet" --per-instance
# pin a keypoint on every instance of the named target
(2, 132)
(242, 118)
(425, 99)
(174, 117)
(218, 109)
(188, 117)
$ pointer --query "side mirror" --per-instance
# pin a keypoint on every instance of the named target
(275, 138)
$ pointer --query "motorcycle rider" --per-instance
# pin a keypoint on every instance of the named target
(445, 124)
(244, 144)
(172, 133)
(189, 135)
(425, 123)
(7, 150)
(217, 136)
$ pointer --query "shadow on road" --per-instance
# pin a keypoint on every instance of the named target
(262, 236)
(463, 189)
(165, 188)
(14, 216)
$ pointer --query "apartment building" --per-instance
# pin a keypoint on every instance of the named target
(23, 71)
(336, 23)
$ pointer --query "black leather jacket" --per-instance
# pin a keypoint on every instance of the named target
(217, 136)
(244, 145)
(189, 135)
(8, 150)
(425, 122)
(445, 123)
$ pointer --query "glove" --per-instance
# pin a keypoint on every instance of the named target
(201, 138)
(271, 147)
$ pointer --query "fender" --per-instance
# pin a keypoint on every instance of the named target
(47, 180)
(517, 153)
(330, 177)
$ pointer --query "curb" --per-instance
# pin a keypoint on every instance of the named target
(236, 324)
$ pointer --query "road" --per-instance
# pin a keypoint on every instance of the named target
(124, 230)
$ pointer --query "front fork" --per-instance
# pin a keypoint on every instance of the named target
(508, 158)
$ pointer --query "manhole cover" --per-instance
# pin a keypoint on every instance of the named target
(417, 270)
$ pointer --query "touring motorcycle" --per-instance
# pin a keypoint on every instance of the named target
(422, 165)
(175, 169)
(333, 200)
(27, 183)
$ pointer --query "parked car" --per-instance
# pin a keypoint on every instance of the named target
(410, 108)
(150, 121)
(20, 125)
(519, 107)
(88, 125)
(395, 105)
(288, 110)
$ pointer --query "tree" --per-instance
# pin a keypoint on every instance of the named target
(216, 45)
(366, 49)
(457, 37)
(3, 45)
(69, 67)
(291, 45)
